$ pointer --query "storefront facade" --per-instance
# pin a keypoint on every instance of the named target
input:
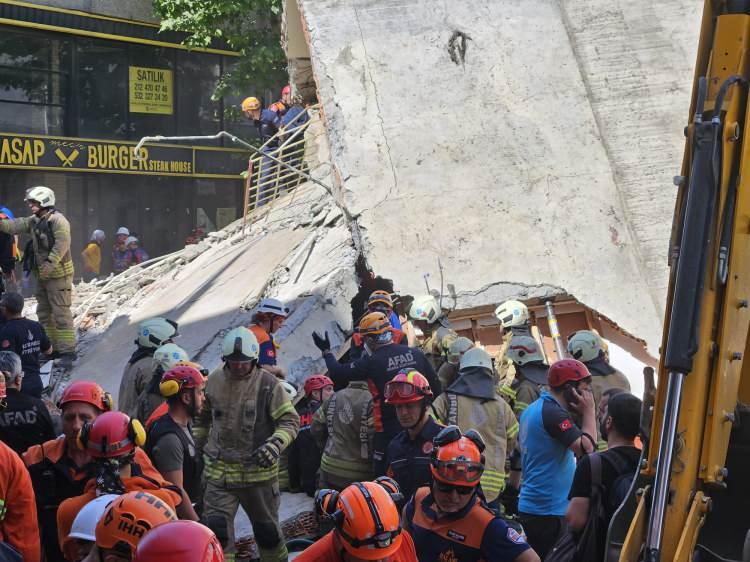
(77, 92)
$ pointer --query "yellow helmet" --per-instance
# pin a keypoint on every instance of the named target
(250, 104)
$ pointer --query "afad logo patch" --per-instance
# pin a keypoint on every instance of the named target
(456, 536)
(565, 425)
(515, 537)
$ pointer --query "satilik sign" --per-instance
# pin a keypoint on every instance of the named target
(83, 155)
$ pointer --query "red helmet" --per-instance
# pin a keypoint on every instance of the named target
(179, 377)
(286, 90)
(179, 541)
(88, 392)
(457, 459)
(113, 434)
(566, 370)
(406, 387)
(316, 382)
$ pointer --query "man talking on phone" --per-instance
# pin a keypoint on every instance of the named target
(550, 441)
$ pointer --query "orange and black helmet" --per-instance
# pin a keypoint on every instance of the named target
(128, 518)
(366, 517)
(457, 458)
(380, 301)
(88, 392)
(374, 324)
(407, 386)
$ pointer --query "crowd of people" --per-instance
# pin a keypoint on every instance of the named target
(126, 253)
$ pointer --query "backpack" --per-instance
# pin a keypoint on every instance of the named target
(584, 546)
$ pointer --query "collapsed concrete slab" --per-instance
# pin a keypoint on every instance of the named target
(527, 145)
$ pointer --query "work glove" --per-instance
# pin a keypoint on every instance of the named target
(322, 343)
(268, 454)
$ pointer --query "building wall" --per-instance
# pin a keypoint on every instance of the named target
(139, 10)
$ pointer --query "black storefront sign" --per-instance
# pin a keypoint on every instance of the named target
(84, 155)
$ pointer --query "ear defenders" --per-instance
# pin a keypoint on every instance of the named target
(136, 434)
(169, 388)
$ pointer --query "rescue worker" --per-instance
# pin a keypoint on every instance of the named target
(163, 408)
(379, 301)
(170, 443)
(408, 455)
(549, 441)
(344, 429)
(426, 315)
(27, 339)
(120, 253)
(179, 541)
(449, 370)
(112, 440)
(473, 402)
(165, 357)
(367, 526)
(268, 318)
(448, 520)
(53, 267)
(281, 106)
(24, 420)
(82, 536)
(246, 423)
(530, 371)
(383, 362)
(92, 256)
(513, 316)
(588, 347)
(18, 517)
(265, 120)
(127, 521)
(304, 453)
(8, 255)
(152, 334)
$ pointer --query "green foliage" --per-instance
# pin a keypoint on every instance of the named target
(251, 27)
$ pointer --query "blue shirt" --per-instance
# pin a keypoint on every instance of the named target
(545, 434)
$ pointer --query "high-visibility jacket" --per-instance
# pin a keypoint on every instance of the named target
(526, 393)
(18, 521)
(434, 346)
(494, 420)
(50, 237)
(92, 258)
(239, 415)
(343, 426)
(135, 377)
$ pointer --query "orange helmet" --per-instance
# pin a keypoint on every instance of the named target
(380, 299)
(374, 323)
(457, 459)
(180, 377)
(406, 387)
(88, 392)
(366, 518)
(179, 541)
(128, 518)
(286, 90)
(113, 434)
(250, 104)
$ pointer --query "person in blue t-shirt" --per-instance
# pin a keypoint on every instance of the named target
(26, 338)
(550, 441)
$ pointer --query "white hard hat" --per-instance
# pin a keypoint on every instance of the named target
(512, 314)
(457, 348)
(98, 235)
(290, 389)
(122, 230)
(272, 306)
(154, 332)
(240, 344)
(585, 345)
(425, 308)
(524, 349)
(168, 355)
(42, 195)
(84, 525)
(475, 357)
(131, 240)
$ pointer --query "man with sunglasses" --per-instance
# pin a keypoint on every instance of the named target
(408, 455)
(382, 361)
(449, 520)
(550, 441)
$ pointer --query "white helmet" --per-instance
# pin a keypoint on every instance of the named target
(122, 230)
(524, 349)
(168, 355)
(130, 240)
(98, 236)
(425, 308)
(272, 306)
(154, 332)
(457, 348)
(476, 357)
(42, 195)
(290, 389)
(512, 314)
(84, 525)
(240, 344)
(585, 345)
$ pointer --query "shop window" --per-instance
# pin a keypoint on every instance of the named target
(151, 92)
(34, 82)
(102, 89)
(197, 76)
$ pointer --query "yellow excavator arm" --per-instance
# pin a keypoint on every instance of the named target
(691, 502)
